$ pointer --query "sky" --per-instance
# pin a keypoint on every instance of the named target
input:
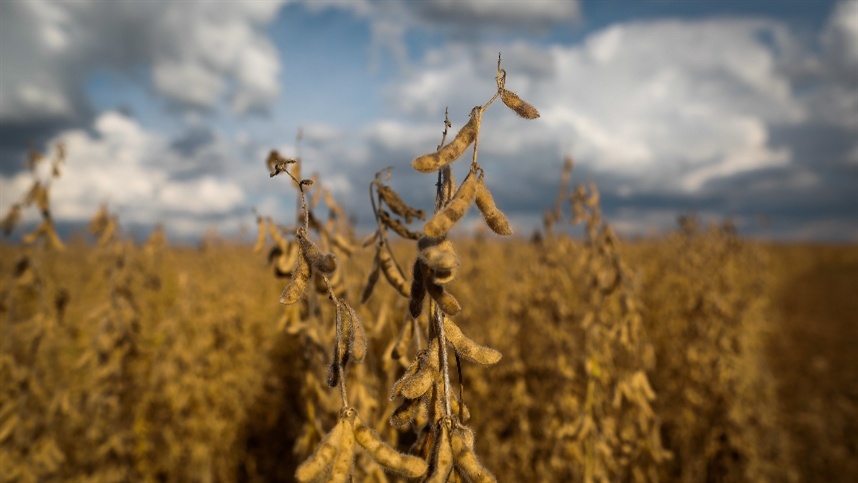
(740, 110)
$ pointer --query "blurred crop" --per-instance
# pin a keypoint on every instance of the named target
(699, 356)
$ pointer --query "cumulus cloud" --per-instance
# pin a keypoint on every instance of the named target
(476, 14)
(199, 53)
(668, 116)
(129, 168)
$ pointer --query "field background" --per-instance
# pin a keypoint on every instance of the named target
(154, 362)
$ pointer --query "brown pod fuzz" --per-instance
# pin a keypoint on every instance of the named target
(448, 304)
(300, 276)
(518, 105)
(494, 217)
(451, 152)
(392, 272)
(402, 464)
(342, 464)
(442, 221)
(459, 409)
(467, 348)
(357, 336)
(466, 459)
(440, 258)
(442, 454)
(406, 412)
(397, 226)
(371, 281)
(311, 251)
(327, 264)
(321, 459)
(397, 205)
(418, 289)
(418, 379)
(343, 335)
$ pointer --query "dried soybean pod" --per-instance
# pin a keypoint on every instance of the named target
(494, 217)
(449, 305)
(467, 348)
(440, 257)
(449, 153)
(327, 264)
(397, 226)
(443, 220)
(343, 334)
(405, 465)
(466, 459)
(342, 464)
(311, 251)
(406, 412)
(397, 205)
(406, 335)
(275, 234)
(391, 271)
(313, 466)
(357, 336)
(396, 389)
(370, 282)
(418, 289)
(415, 384)
(341, 242)
(518, 105)
(460, 409)
(54, 239)
(260, 237)
(442, 454)
(300, 276)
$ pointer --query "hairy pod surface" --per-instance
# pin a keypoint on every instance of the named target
(342, 465)
(300, 276)
(310, 250)
(448, 304)
(405, 465)
(418, 288)
(343, 335)
(442, 454)
(518, 105)
(406, 412)
(392, 199)
(327, 264)
(441, 259)
(428, 163)
(321, 459)
(467, 348)
(466, 459)
(494, 217)
(357, 339)
(442, 221)
(419, 377)
(392, 272)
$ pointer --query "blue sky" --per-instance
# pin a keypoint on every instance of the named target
(746, 110)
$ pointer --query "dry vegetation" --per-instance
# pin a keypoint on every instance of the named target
(697, 357)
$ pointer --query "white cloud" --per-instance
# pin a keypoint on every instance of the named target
(484, 13)
(129, 168)
(200, 52)
(670, 104)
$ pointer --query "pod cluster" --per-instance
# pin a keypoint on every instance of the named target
(334, 457)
